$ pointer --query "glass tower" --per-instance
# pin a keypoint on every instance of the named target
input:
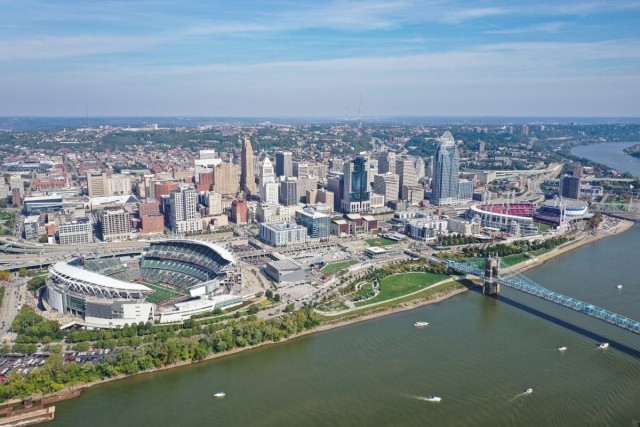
(444, 189)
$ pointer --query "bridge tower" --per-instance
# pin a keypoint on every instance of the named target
(491, 271)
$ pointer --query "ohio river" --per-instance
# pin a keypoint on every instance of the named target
(478, 353)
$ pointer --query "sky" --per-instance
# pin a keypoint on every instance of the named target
(320, 58)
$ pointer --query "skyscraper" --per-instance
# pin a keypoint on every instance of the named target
(289, 192)
(247, 178)
(267, 182)
(356, 186)
(387, 162)
(570, 187)
(225, 179)
(408, 181)
(284, 163)
(444, 189)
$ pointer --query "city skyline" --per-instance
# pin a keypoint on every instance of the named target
(335, 59)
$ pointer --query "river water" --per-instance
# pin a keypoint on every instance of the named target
(478, 353)
(610, 154)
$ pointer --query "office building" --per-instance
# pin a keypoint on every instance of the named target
(119, 184)
(247, 178)
(570, 187)
(300, 169)
(327, 197)
(284, 164)
(444, 188)
(97, 184)
(407, 179)
(269, 188)
(289, 192)
(239, 211)
(183, 214)
(465, 190)
(387, 184)
(316, 223)
(163, 188)
(356, 186)
(387, 163)
(225, 179)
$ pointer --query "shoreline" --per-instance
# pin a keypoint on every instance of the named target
(620, 227)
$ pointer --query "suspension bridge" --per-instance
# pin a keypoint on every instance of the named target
(517, 281)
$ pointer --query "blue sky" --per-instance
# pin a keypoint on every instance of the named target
(313, 58)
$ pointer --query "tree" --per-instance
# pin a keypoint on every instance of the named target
(276, 297)
(4, 275)
(253, 309)
(289, 308)
(23, 272)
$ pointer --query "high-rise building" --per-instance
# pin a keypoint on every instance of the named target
(239, 211)
(418, 163)
(304, 184)
(317, 223)
(570, 187)
(407, 178)
(119, 184)
(300, 169)
(444, 188)
(247, 178)
(225, 179)
(16, 197)
(115, 225)
(267, 182)
(289, 192)
(214, 203)
(387, 162)
(183, 215)
(387, 184)
(163, 188)
(97, 184)
(327, 197)
(74, 232)
(356, 186)
(284, 163)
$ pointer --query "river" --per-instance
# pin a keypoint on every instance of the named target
(478, 353)
(610, 154)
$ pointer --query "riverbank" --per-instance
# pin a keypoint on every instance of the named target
(609, 227)
(326, 326)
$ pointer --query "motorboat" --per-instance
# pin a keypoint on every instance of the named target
(619, 286)
(562, 348)
(219, 394)
(420, 324)
(528, 391)
(433, 399)
(603, 345)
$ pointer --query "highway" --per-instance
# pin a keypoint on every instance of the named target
(15, 295)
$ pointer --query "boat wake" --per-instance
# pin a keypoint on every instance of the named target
(524, 394)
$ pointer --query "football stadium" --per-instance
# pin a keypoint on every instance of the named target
(170, 281)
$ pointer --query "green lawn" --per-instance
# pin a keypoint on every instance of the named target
(514, 259)
(426, 294)
(160, 293)
(543, 227)
(380, 241)
(333, 268)
(364, 291)
(403, 284)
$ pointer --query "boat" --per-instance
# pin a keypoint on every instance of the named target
(603, 345)
(420, 324)
(433, 399)
(528, 391)
(619, 286)
(562, 348)
(219, 394)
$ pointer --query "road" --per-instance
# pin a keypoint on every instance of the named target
(15, 295)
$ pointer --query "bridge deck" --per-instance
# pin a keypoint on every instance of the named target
(530, 287)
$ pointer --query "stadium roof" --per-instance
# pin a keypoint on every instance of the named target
(219, 249)
(97, 279)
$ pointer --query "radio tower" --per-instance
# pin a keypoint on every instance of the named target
(346, 111)
(360, 113)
